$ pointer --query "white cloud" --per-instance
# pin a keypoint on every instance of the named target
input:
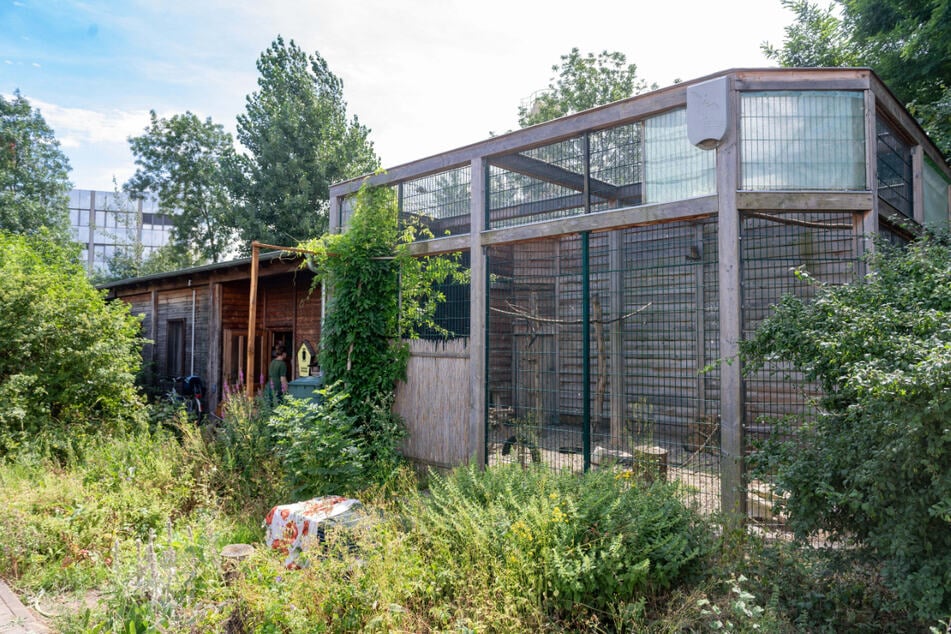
(76, 127)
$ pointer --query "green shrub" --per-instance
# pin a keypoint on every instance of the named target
(553, 543)
(872, 467)
(826, 589)
(68, 359)
(248, 472)
(319, 449)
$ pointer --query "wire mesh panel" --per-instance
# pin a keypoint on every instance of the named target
(617, 166)
(668, 327)
(598, 360)
(675, 169)
(452, 312)
(894, 169)
(935, 196)
(347, 207)
(539, 184)
(534, 321)
(439, 202)
(774, 248)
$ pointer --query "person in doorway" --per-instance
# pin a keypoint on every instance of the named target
(277, 375)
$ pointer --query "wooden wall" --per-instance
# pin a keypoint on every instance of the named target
(220, 299)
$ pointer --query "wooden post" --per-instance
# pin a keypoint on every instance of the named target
(478, 289)
(252, 318)
(869, 220)
(732, 498)
(213, 366)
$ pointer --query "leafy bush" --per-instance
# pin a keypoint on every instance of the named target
(553, 543)
(249, 473)
(873, 465)
(319, 449)
(826, 589)
(68, 358)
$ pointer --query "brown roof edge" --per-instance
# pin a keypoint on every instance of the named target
(197, 270)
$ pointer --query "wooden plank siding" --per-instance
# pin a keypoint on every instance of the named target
(212, 303)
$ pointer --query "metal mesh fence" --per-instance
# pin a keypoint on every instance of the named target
(539, 184)
(452, 316)
(894, 169)
(439, 202)
(774, 247)
(803, 140)
(596, 346)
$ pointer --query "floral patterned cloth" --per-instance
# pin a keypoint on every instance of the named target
(292, 528)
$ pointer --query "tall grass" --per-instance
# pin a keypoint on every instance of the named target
(141, 518)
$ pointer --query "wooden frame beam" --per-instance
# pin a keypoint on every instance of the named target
(691, 209)
(801, 201)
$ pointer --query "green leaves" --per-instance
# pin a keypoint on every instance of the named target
(34, 172)
(185, 161)
(68, 359)
(299, 140)
(557, 539)
(583, 82)
(873, 466)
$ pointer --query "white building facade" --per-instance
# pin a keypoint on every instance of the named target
(106, 223)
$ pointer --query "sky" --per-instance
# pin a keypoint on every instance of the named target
(426, 76)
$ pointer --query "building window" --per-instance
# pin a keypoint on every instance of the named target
(175, 347)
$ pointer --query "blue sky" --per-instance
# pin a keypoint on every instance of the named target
(425, 75)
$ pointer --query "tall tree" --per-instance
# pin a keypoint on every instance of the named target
(906, 42)
(583, 82)
(299, 141)
(816, 38)
(34, 172)
(185, 161)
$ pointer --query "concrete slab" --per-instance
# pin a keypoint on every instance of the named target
(15, 618)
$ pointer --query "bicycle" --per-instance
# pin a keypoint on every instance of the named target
(188, 390)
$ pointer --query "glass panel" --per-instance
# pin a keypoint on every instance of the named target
(936, 197)
(674, 168)
(346, 211)
(894, 169)
(803, 140)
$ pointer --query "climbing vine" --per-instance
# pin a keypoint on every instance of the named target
(379, 294)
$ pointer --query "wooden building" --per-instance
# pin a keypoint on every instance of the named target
(197, 320)
(618, 256)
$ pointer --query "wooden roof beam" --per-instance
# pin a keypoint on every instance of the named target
(555, 174)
